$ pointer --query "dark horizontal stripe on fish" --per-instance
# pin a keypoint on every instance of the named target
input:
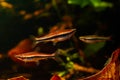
(36, 57)
(95, 38)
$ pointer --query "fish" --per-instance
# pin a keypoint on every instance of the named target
(56, 36)
(35, 56)
(94, 38)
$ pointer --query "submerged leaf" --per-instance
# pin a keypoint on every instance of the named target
(55, 77)
(111, 71)
(18, 78)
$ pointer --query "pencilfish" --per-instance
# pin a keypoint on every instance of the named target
(94, 38)
(35, 56)
(57, 36)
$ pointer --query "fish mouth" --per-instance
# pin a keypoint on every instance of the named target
(20, 58)
(25, 59)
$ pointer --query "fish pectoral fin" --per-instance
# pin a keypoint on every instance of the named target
(37, 49)
(37, 63)
(54, 43)
(58, 59)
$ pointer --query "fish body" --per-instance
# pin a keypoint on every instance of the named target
(93, 38)
(57, 36)
(35, 56)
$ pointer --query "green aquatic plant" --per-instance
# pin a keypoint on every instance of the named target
(94, 3)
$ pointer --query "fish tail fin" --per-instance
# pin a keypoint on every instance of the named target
(57, 52)
(54, 43)
(32, 37)
(37, 63)
(57, 58)
(110, 38)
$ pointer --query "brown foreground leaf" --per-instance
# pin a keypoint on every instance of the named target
(111, 71)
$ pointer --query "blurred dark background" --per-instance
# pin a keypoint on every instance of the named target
(19, 19)
(15, 25)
